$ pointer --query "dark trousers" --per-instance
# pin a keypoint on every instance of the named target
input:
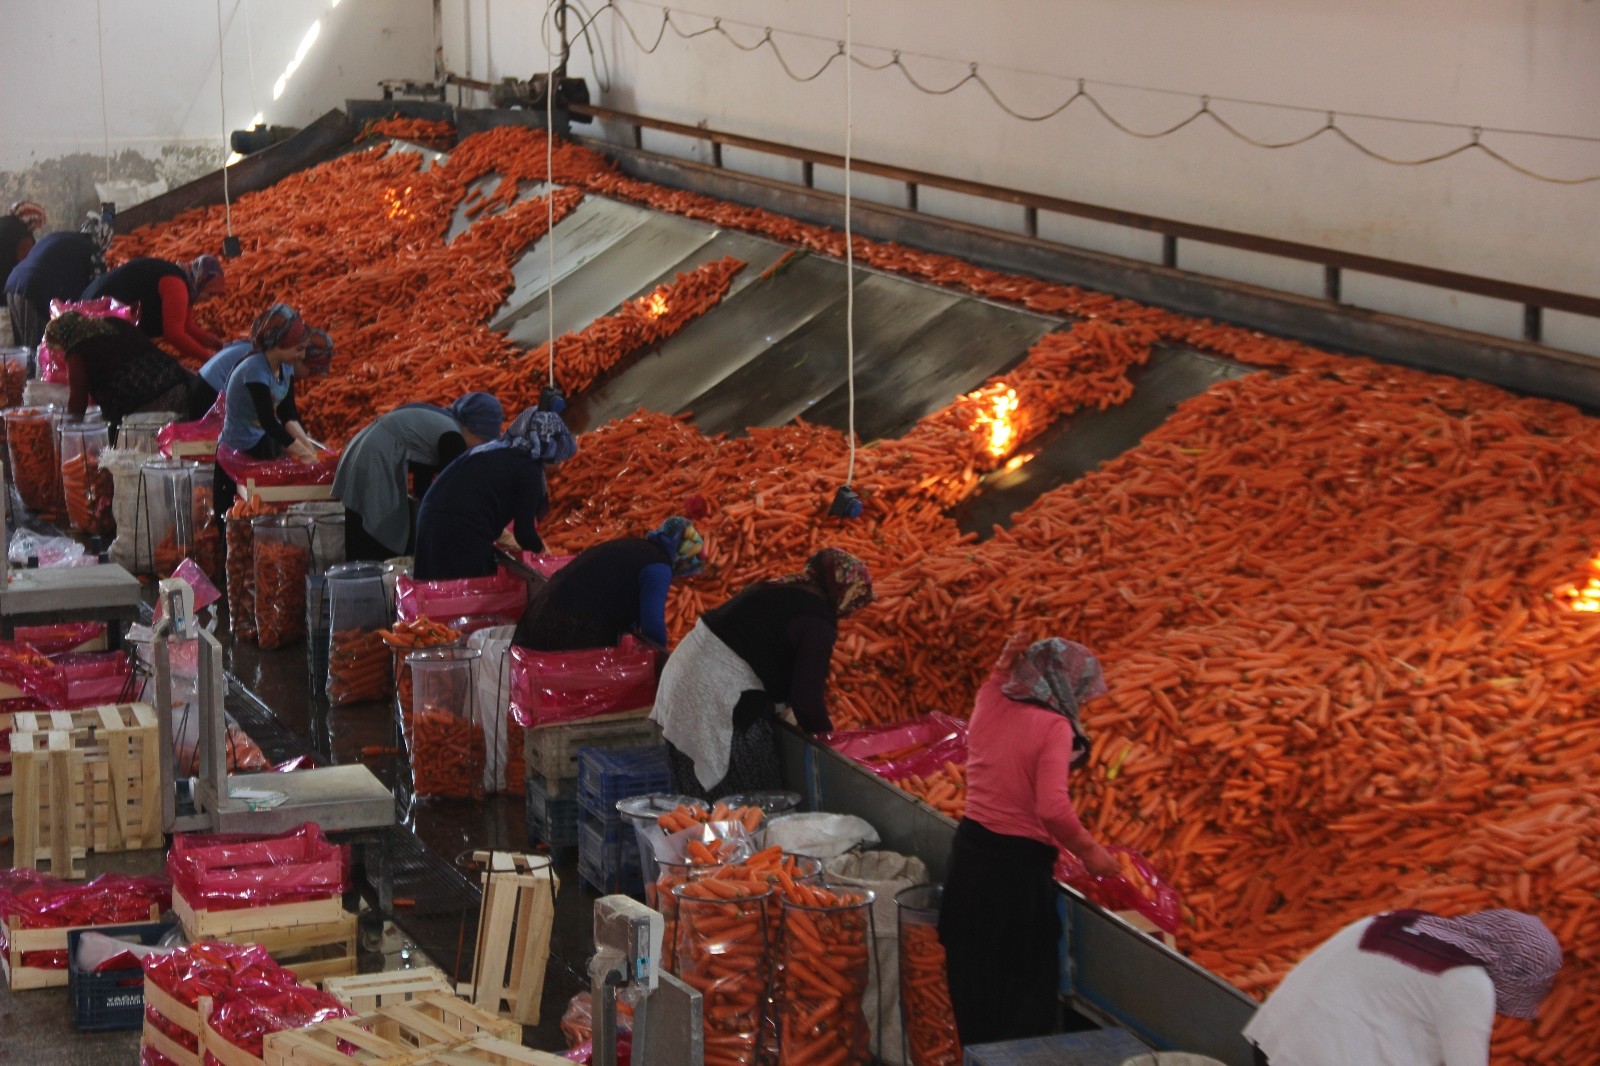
(361, 546)
(752, 759)
(1001, 936)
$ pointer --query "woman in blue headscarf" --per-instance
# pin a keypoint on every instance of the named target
(262, 420)
(416, 440)
(469, 505)
(615, 587)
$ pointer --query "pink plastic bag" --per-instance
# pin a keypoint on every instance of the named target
(26, 673)
(205, 593)
(231, 871)
(32, 900)
(1146, 892)
(53, 364)
(504, 595)
(207, 428)
(565, 686)
(286, 470)
(932, 740)
(61, 637)
(544, 563)
(96, 678)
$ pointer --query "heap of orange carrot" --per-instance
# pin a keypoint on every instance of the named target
(1331, 603)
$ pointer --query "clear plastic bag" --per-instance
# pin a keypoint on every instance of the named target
(441, 730)
(503, 766)
(723, 952)
(232, 871)
(86, 485)
(567, 686)
(281, 549)
(503, 595)
(1138, 888)
(49, 551)
(358, 660)
(35, 467)
(825, 970)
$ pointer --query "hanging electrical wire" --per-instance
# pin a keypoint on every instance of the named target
(230, 243)
(846, 503)
(105, 118)
(550, 189)
(1206, 104)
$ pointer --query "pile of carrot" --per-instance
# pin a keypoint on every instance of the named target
(685, 817)
(826, 943)
(13, 381)
(280, 580)
(430, 133)
(722, 951)
(241, 590)
(446, 752)
(358, 667)
(34, 469)
(87, 488)
(1332, 602)
(930, 1024)
(207, 548)
(403, 638)
(945, 789)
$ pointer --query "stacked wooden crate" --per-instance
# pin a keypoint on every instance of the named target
(407, 1032)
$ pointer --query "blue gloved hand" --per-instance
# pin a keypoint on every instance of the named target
(550, 399)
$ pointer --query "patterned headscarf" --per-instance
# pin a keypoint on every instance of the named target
(1062, 676)
(1520, 953)
(203, 271)
(319, 352)
(478, 413)
(30, 213)
(541, 434)
(98, 230)
(279, 326)
(842, 577)
(682, 543)
(71, 328)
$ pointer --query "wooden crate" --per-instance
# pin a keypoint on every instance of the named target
(338, 1042)
(367, 992)
(488, 1051)
(186, 1018)
(438, 1018)
(515, 919)
(108, 800)
(48, 823)
(20, 941)
(249, 490)
(551, 751)
(316, 939)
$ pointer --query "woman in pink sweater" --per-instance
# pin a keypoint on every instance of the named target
(998, 922)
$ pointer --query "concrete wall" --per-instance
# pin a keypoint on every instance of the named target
(1497, 64)
(287, 61)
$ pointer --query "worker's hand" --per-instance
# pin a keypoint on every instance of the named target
(508, 541)
(1100, 863)
(1014, 647)
(304, 451)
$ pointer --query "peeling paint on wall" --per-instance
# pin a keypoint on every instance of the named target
(65, 185)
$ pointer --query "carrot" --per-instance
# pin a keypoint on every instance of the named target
(820, 1015)
(358, 667)
(931, 1038)
(34, 467)
(447, 753)
(280, 592)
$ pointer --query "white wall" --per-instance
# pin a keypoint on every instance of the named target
(163, 109)
(1492, 63)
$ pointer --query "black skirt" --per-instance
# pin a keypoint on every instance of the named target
(1001, 934)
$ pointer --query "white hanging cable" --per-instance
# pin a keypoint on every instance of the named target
(849, 254)
(222, 118)
(250, 55)
(550, 190)
(105, 120)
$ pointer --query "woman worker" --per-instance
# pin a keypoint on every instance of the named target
(60, 267)
(110, 361)
(17, 229)
(470, 503)
(615, 587)
(769, 644)
(1407, 988)
(998, 920)
(261, 419)
(166, 294)
(416, 439)
(216, 371)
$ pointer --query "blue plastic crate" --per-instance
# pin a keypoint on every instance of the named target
(606, 775)
(607, 866)
(1097, 1047)
(113, 999)
(552, 817)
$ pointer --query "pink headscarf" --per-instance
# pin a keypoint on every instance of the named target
(1521, 955)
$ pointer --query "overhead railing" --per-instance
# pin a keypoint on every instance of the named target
(1533, 299)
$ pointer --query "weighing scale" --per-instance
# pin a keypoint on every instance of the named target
(667, 1014)
(340, 799)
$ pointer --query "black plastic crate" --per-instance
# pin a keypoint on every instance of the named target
(113, 999)
(551, 816)
(606, 775)
(607, 864)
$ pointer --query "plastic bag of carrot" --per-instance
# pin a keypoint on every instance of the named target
(241, 577)
(402, 639)
(30, 437)
(927, 1019)
(442, 735)
(723, 951)
(282, 551)
(358, 660)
